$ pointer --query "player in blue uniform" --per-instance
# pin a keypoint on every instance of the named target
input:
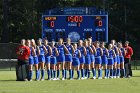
(75, 61)
(82, 58)
(68, 58)
(98, 60)
(111, 57)
(116, 59)
(61, 58)
(31, 60)
(104, 58)
(87, 59)
(54, 60)
(122, 54)
(35, 51)
(41, 58)
(92, 57)
(47, 57)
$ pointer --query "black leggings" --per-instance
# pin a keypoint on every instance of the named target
(127, 66)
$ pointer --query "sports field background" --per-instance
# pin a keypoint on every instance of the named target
(122, 85)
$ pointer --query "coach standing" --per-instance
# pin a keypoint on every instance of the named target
(127, 58)
(23, 53)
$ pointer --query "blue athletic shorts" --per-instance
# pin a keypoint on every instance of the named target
(47, 59)
(68, 58)
(75, 62)
(53, 60)
(110, 61)
(87, 60)
(92, 58)
(41, 58)
(31, 60)
(104, 60)
(35, 60)
(82, 60)
(118, 59)
(98, 60)
(121, 59)
(115, 59)
(61, 58)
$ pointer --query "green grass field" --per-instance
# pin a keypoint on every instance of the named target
(127, 85)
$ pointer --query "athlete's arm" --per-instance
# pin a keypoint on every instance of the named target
(91, 51)
(79, 53)
(50, 49)
(114, 54)
(107, 52)
(57, 54)
(85, 52)
(46, 51)
(66, 50)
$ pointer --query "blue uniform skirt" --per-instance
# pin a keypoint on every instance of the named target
(92, 58)
(87, 60)
(68, 58)
(82, 60)
(104, 60)
(41, 58)
(47, 59)
(75, 61)
(121, 59)
(118, 59)
(110, 61)
(53, 60)
(98, 60)
(35, 60)
(31, 60)
(61, 58)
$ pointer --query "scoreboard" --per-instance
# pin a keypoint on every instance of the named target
(75, 27)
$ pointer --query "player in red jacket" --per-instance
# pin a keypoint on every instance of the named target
(127, 59)
(23, 53)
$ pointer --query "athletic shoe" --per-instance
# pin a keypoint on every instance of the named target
(63, 78)
(114, 77)
(85, 78)
(78, 78)
(111, 77)
(30, 80)
(82, 78)
(42, 79)
(118, 76)
(25, 80)
(57, 78)
(94, 78)
(54, 79)
(71, 78)
(105, 77)
(99, 77)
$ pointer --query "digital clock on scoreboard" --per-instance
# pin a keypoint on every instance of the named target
(75, 27)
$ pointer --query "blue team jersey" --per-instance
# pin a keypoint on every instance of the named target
(104, 52)
(53, 51)
(31, 53)
(76, 54)
(60, 49)
(98, 52)
(115, 49)
(88, 51)
(41, 50)
(69, 47)
(81, 50)
(110, 53)
(48, 53)
(122, 51)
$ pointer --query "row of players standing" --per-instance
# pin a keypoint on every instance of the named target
(86, 57)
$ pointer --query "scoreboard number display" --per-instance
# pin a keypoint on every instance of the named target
(75, 27)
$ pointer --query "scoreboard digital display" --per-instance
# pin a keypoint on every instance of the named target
(75, 27)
